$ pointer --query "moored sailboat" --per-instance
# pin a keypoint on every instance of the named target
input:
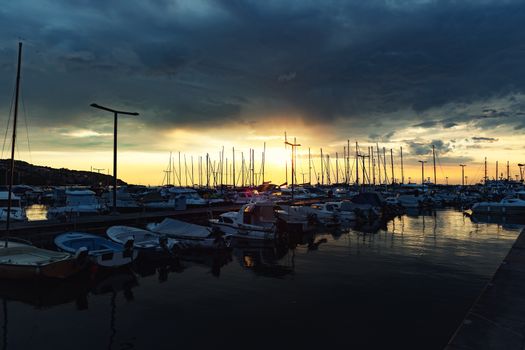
(25, 261)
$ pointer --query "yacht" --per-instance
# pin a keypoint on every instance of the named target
(253, 220)
(507, 206)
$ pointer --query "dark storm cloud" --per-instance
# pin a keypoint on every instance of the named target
(484, 139)
(417, 148)
(202, 63)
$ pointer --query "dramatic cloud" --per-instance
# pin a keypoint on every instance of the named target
(191, 62)
(378, 70)
(484, 139)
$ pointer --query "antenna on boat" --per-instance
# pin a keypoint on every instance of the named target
(13, 142)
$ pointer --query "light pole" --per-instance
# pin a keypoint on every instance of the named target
(422, 172)
(521, 171)
(462, 174)
(294, 153)
(115, 123)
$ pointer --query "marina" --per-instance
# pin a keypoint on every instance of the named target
(357, 284)
(262, 175)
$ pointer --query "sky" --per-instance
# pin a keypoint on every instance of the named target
(239, 73)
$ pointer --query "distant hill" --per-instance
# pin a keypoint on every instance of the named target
(29, 174)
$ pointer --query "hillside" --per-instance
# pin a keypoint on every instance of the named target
(30, 174)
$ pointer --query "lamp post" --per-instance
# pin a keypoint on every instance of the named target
(294, 153)
(115, 123)
(462, 174)
(422, 172)
(521, 171)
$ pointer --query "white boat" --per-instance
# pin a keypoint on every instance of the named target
(253, 221)
(78, 202)
(322, 213)
(507, 206)
(343, 215)
(410, 200)
(101, 251)
(190, 235)
(17, 212)
(146, 242)
(294, 217)
(190, 195)
(125, 202)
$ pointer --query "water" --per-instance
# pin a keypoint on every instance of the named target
(407, 286)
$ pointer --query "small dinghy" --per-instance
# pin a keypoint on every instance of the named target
(24, 261)
(191, 235)
(146, 242)
(101, 251)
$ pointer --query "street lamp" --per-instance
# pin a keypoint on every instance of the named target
(115, 123)
(294, 153)
(422, 172)
(462, 174)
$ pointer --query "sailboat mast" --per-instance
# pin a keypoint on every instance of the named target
(322, 170)
(392, 166)
(356, 164)
(379, 164)
(402, 169)
(13, 142)
(434, 160)
(485, 182)
(309, 167)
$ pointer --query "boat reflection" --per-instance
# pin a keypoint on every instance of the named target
(268, 260)
(511, 221)
(215, 260)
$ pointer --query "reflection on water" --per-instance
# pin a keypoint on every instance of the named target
(36, 212)
(406, 286)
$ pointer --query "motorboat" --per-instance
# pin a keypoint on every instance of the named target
(507, 206)
(17, 211)
(77, 203)
(323, 213)
(254, 221)
(146, 242)
(101, 251)
(190, 235)
(125, 202)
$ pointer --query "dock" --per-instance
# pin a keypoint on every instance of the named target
(497, 318)
(42, 230)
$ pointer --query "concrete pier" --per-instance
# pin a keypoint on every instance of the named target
(41, 230)
(497, 318)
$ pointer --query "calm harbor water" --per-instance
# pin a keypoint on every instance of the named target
(407, 286)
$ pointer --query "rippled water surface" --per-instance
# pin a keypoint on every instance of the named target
(406, 286)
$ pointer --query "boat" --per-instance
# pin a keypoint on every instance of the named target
(507, 206)
(323, 213)
(191, 235)
(254, 221)
(101, 251)
(22, 260)
(78, 203)
(125, 202)
(17, 211)
(146, 242)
